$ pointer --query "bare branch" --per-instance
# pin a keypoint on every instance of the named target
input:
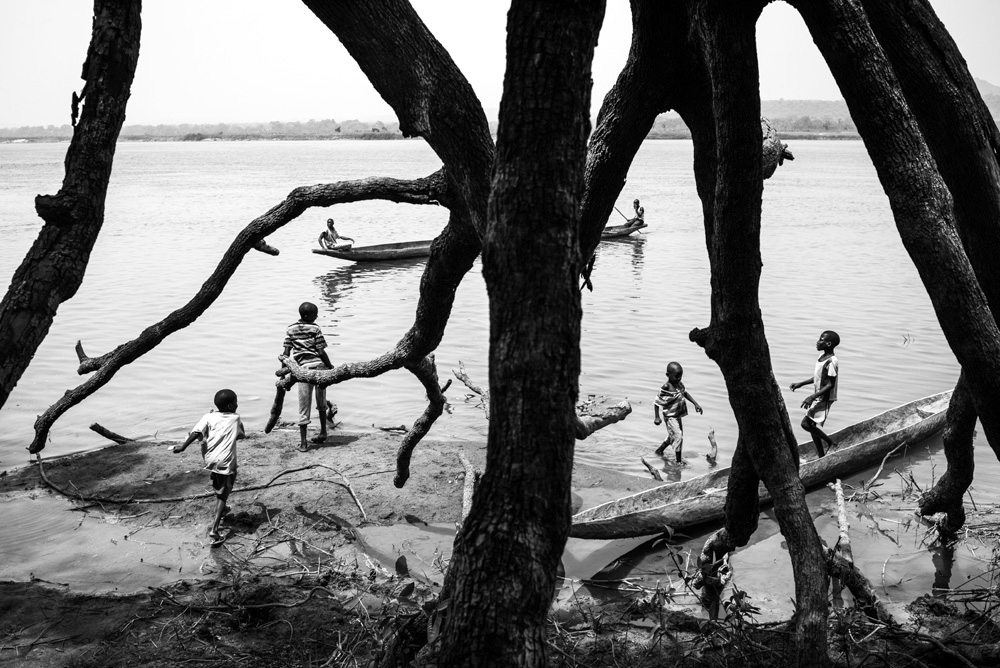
(428, 190)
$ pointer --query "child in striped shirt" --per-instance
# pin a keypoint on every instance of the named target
(304, 341)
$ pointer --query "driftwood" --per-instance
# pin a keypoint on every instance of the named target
(110, 435)
(713, 456)
(652, 471)
(585, 424)
(840, 564)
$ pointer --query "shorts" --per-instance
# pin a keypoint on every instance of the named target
(305, 401)
(675, 433)
(819, 410)
(222, 483)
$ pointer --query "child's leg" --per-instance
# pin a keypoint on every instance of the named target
(676, 436)
(321, 410)
(817, 434)
(305, 402)
(223, 486)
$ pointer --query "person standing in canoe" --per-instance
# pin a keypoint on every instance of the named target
(671, 402)
(330, 238)
(824, 380)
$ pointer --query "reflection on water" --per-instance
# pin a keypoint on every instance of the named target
(622, 249)
(943, 558)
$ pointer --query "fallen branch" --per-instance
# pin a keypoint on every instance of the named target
(652, 471)
(585, 424)
(110, 435)
(862, 590)
(588, 424)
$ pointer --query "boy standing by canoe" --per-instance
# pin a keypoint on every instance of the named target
(305, 342)
(824, 380)
(218, 432)
(672, 403)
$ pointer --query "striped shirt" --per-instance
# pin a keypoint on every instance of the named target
(305, 341)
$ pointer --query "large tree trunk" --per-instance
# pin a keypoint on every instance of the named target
(920, 201)
(503, 570)
(54, 267)
(432, 99)
(963, 138)
(727, 139)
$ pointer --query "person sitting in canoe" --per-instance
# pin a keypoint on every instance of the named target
(330, 239)
(640, 216)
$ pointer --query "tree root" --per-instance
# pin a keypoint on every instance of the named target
(204, 495)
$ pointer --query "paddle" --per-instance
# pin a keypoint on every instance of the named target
(622, 214)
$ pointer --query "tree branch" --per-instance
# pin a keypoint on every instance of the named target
(428, 190)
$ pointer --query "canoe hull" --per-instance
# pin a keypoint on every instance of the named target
(617, 231)
(702, 499)
(380, 252)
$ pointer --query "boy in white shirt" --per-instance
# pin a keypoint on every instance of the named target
(218, 432)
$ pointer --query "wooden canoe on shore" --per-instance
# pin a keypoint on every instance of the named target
(701, 499)
(616, 231)
(379, 252)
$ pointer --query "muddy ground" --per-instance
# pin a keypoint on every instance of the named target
(294, 583)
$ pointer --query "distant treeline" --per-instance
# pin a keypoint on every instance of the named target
(313, 129)
(791, 118)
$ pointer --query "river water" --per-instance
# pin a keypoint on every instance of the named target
(832, 260)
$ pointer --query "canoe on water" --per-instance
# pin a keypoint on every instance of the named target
(614, 231)
(689, 502)
(379, 252)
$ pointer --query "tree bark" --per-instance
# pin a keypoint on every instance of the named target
(728, 142)
(963, 138)
(503, 571)
(54, 267)
(920, 200)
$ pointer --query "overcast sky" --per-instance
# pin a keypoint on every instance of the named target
(211, 61)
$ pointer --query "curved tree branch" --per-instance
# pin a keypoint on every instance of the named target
(428, 190)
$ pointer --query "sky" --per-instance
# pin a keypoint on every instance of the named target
(232, 61)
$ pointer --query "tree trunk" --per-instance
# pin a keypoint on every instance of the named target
(918, 196)
(727, 138)
(963, 138)
(54, 267)
(502, 575)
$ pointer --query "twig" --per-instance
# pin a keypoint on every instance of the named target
(652, 471)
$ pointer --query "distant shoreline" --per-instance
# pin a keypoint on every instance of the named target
(819, 136)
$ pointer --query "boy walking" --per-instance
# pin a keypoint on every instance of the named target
(218, 433)
(824, 380)
(305, 342)
(672, 403)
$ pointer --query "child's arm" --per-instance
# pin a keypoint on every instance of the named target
(795, 386)
(241, 432)
(326, 360)
(697, 406)
(191, 438)
(656, 413)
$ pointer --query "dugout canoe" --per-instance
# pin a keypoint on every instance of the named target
(701, 499)
(379, 252)
(617, 231)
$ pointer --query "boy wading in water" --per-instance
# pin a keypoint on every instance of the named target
(672, 403)
(824, 381)
(305, 341)
(218, 433)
